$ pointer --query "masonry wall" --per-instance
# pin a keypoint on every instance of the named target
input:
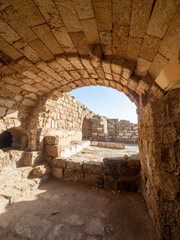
(57, 115)
(159, 143)
(112, 130)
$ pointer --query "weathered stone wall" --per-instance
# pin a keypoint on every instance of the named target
(112, 130)
(58, 115)
(120, 174)
(159, 143)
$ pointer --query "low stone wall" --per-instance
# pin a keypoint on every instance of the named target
(119, 174)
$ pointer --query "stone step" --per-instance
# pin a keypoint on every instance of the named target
(108, 145)
(55, 150)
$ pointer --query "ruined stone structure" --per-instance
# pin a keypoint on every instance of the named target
(51, 47)
(110, 130)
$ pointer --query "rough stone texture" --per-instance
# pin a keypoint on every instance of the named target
(158, 139)
(117, 23)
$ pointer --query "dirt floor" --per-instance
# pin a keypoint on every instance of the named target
(97, 154)
(68, 211)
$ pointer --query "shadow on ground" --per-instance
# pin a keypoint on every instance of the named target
(67, 211)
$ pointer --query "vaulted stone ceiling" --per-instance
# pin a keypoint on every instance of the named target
(50, 44)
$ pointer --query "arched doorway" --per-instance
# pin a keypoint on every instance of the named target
(86, 129)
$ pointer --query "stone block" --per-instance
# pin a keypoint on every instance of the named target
(94, 180)
(51, 140)
(32, 158)
(161, 17)
(141, 11)
(41, 170)
(122, 12)
(74, 165)
(69, 15)
(2, 111)
(84, 9)
(3, 203)
(53, 150)
(93, 168)
(128, 68)
(120, 35)
(57, 172)
(89, 28)
(103, 14)
(149, 47)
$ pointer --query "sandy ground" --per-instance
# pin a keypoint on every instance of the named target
(97, 154)
(68, 211)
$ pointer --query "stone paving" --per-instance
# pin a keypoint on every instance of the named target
(96, 154)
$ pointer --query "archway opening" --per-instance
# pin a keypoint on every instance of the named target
(86, 129)
(6, 140)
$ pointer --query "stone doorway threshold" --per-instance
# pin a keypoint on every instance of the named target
(69, 211)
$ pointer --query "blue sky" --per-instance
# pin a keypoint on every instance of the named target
(107, 102)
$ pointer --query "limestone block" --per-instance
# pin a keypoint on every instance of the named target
(52, 150)
(45, 34)
(41, 170)
(64, 39)
(57, 172)
(89, 28)
(128, 69)
(74, 165)
(75, 61)
(88, 66)
(29, 88)
(12, 113)
(142, 67)
(40, 48)
(55, 66)
(15, 21)
(64, 63)
(51, 140)
(116, 65)
(94, 180)
(141, 11)
(4, 4)
(2, 111)
(8, 33)
(28, 102)
(28, 11)
(9, 50)
(145, 84)
(84, 9)
(172, 35)
(157, 65)
(121, 12)
(149, 47)
(161, 17)
(80, 43)
(69, 15)
(134, 47)
(3, 203)
(120, 40)
(106, 42)
(4, 159)
(50, 13)
(44, 67)
(93, 168)
(103, 14)
(32, 158)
